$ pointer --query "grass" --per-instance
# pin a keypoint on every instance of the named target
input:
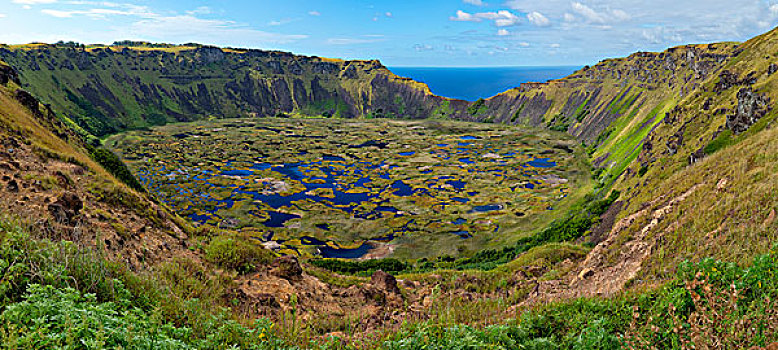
(237, 253)
(710, 303)
(85, 297)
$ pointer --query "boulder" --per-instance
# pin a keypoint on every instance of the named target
(727, 79)
(287, 267)
(67, 207)
(772, 69)
(384, 282)
(13, 186)
(28, 100)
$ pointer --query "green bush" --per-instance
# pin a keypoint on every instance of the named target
(54, 318)
(237, 253)
(57, 295)
(366, 267)
(116, 167)
(478, 107)
(25, 261)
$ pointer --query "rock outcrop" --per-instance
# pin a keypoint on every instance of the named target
(751, 106)
(66, 208)
(7, 74)
(384, 282)
(287, 267)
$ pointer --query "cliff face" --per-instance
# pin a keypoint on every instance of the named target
(108, 89)
(612, 106)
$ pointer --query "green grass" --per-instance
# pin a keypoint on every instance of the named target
(709, 302)
(238, 253)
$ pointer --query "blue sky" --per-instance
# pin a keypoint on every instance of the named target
(401, 32)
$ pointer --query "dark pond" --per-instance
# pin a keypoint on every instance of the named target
(342, 253)
(331, 158)
(541, 163)
(238, 173)
(457, 184)
(487, 208)
(277, 219)
(463, 234)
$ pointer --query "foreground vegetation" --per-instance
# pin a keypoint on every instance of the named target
(57, 295)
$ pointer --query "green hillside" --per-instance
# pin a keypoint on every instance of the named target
(107, 89)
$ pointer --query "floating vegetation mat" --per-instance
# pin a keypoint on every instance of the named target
(353, 189)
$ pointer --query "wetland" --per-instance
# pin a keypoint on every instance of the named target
(359, 188)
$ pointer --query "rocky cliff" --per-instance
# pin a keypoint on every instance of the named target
(108, 89)
(611, 106)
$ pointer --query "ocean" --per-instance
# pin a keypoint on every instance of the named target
(473, 83)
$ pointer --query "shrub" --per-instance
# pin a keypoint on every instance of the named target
(643, 170)
(477, 107)
(723, 140)
(65, 319)
(366, 267)
(237, 253)
(116, 167)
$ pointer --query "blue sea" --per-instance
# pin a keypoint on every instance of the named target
(473, 83)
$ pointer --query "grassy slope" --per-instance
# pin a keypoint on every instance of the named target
(624, 99)
(731, 214)
(48, 160)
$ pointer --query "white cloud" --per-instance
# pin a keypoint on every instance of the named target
(474, 2)
(280, 22)
(389, 14)
(187, 28)
(95, 13)
(106, 9)
(588, 13)
(202, 10)
(538, 19)
(177, 28)
(2, 15)
(555, 46)
(502, 18)
(503, 32)
(314, 13)
(33, 2)
(524, 44)
(620, 15)
(463, 16)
